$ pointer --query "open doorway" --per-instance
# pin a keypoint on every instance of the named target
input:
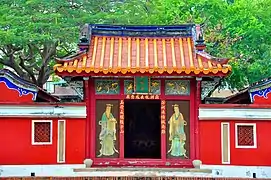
(142, 127)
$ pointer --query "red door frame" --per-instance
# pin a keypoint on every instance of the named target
(121, 161)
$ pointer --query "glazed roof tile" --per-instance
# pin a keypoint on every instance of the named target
(161, 54)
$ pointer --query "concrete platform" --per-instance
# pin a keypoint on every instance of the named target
(145, 172)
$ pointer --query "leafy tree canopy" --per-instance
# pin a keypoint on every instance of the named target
(32, 32)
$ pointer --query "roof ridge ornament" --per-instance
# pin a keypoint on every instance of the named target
(200, 44)
(84, 39)
(184, 30)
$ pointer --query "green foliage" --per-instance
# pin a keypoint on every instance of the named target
(33, 32)
(239, 29)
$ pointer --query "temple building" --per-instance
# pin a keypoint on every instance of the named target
(142, 90)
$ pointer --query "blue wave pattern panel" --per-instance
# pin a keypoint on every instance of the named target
(261, 93)
(20, 90)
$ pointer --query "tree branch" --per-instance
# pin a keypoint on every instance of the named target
(30, 54)
(5, 62)
(11, 50)
(49, 50)
(28, 70)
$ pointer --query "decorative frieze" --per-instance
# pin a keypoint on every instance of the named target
(177, 87)
(128, 86)
(155, 86)
(107, 87)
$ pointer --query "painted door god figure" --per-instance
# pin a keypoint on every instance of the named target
(107, 135)
(177, 134)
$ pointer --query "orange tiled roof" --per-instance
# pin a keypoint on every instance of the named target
(114, 54)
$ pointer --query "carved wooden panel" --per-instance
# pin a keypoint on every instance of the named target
(178, 129)
(128, 86)
(177, 87)
(107, 86)
(155, 86)
(42, 132)
(245, 135)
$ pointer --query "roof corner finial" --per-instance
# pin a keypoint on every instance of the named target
(200, 45)
(84, 37)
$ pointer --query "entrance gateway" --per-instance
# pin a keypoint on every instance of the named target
(142, 87)
(142, 126)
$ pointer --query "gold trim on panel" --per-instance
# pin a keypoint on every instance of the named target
(146, 53)
(155, 54)
(164, 52)
(182, 54)
(200, 63)
(225, 143)
(111, 53)
(102, 53)
(84, 62)
(61, 142)
(94, 52)
(190, 54)
(173, 53)
(137, 53)
(120, 52)
(121, 116)
(75, 63)
(129, 53)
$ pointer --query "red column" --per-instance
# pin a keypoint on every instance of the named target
(121, 134)
(121, 121)
(163, 131)
(87, 101)
(198, 101)
(163, 122)
(92, 119)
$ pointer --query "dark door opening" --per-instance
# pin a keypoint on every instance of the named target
(142, 129)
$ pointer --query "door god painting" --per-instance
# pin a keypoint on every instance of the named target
(107, 134)
(177, 135)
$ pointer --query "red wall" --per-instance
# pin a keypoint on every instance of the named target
(209, 137)
(75, 141)
(11, 95)
(262, 100)
(210, 144)
(16, 145)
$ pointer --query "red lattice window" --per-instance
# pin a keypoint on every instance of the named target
(245, 135)
(42, 132)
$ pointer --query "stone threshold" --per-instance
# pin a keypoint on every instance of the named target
(135, 169)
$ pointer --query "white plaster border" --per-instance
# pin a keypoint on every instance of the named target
(234, 113)
(64, 141)
(228, 161)
(66, 170)
(79, 111)
(254, 135)
(41, 111)
(33, 133)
